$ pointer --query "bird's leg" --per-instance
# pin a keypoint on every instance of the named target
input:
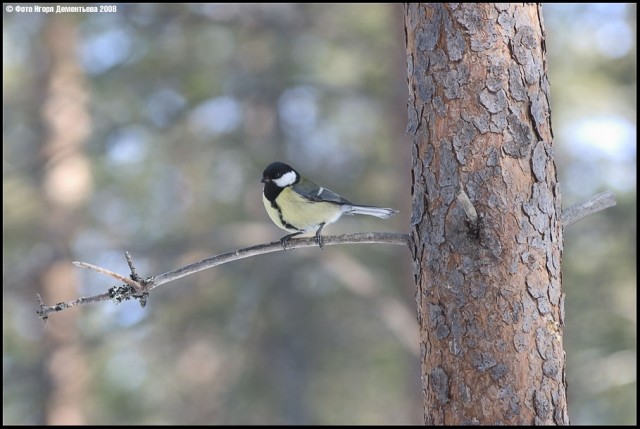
(319, 237)
(284, 240)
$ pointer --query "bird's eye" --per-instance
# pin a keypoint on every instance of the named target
(278, 175)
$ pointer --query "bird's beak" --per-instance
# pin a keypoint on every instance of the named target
(264, 180)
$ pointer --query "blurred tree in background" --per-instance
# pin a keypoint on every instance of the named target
(592, 68)
(173, 112)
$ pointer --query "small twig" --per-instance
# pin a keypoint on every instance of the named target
(134, 274)
(134, 284)
(41, 312)
(140, 288)
(142, 299)
(44, 311)
(592, 205)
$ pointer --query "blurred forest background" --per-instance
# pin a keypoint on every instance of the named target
(147, 129)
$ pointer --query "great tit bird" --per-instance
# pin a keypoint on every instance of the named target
(296, 204)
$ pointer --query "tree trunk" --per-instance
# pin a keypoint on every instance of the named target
(66, 183)
(489, 288)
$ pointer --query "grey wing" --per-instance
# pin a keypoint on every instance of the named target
(313, 192)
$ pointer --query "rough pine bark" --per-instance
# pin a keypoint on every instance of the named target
(488, 289)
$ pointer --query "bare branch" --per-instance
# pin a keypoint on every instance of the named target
(276, 246)
(135, 285)
(592, 205)
(140, 288)
(44, 311)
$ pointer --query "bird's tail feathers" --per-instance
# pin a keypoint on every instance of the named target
(380, 212)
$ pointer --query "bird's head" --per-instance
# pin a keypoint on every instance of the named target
(281, 174)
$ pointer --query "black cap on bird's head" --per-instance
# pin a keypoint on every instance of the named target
(281, 174)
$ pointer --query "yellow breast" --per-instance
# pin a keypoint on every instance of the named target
(299, 214)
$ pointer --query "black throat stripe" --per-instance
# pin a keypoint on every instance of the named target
(271, 192)
(284, 222)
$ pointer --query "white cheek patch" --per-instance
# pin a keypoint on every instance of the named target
(286, 179)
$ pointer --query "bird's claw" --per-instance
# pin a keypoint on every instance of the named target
(284, 240)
